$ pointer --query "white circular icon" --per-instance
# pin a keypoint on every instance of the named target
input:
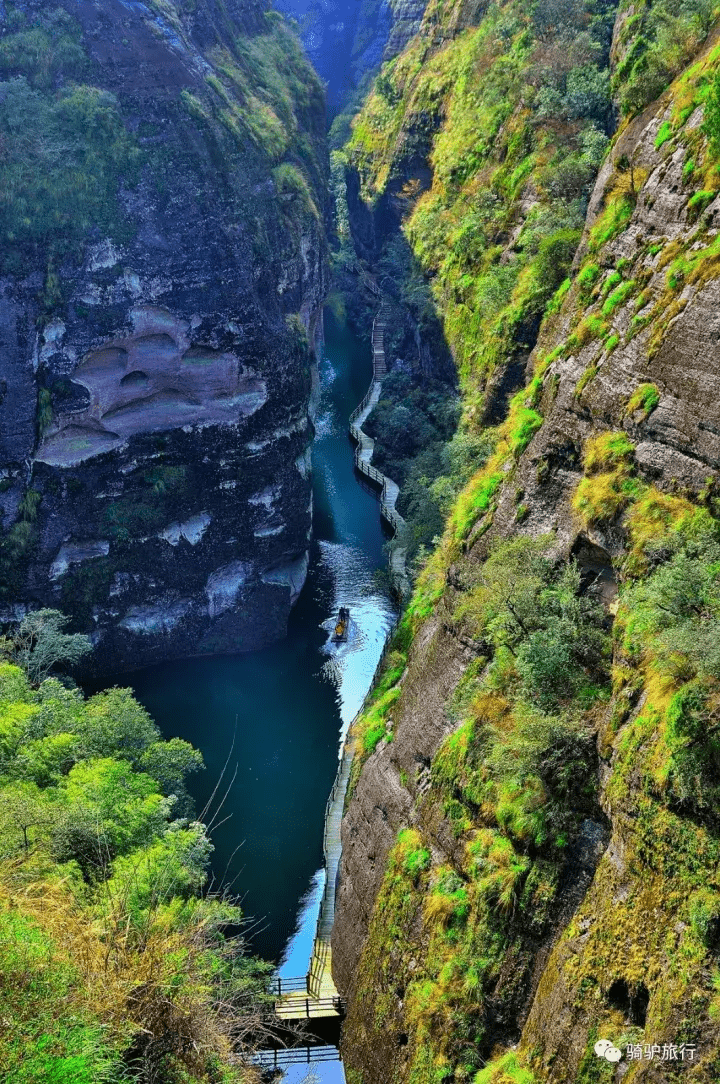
(605, 1049)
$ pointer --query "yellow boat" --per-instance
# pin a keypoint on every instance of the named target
(341, 628)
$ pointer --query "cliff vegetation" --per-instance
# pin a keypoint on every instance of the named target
(115, 960)
(534, 785)
(162, 205)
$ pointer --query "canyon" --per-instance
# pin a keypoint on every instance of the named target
(531, 840)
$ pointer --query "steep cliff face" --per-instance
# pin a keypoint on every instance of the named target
(162, 272)
(530, 851)
(348, 42)
(469, 168)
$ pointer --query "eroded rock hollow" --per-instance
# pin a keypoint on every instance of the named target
(159, 300)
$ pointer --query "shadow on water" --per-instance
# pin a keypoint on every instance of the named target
(281, 710)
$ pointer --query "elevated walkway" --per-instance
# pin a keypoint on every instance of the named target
(366, 447)
(315, 996)
(294, 1055)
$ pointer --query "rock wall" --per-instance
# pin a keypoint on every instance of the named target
(348, 42)
(160, 308)
(589, 943)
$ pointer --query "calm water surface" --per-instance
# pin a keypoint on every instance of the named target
(276, 716)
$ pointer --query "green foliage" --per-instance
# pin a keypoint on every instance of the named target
(475, 501)
(698, 202)
(374, 725)
(66, 155)
(618, 297)
(588, 277)
(645, 398)
(414, 428)
(506, 1069)
(657, 45)
(40, 645)
(555, 635)
(609, 484)
(415, 859)
(486, 147)
(527, 422)
(676, 610)
(45, 52)
(149, 506)
(17, 545)
(664, 133)
(555, 304)
(292, 185)
(45, 1044)
(589, 375)
(711, 120)
(112, 958)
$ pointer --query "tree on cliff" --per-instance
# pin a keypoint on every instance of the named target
(40, 644)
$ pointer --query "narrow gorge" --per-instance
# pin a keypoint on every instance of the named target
(220, 224)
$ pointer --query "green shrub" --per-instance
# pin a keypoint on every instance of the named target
(526, 424)
(645, 398)
(711, 121)
(676, 610)
(89, 846)
(618, 296)
(588, 277)
(697, 204)
(611, 281)
(664, 133)
(589, 375)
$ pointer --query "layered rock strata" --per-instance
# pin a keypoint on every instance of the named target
(157, 343)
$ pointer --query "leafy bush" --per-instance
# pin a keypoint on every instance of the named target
(693, 722)
(711, 120)
(113, 962)
(676, 610)
(40, 644)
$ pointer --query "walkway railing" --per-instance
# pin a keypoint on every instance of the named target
(321, 996)
(294, 1055)
(308, 1007)
(280, 985)
(366, 446)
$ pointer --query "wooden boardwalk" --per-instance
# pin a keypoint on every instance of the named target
(316, 996)
(320, 997)
(366, 447)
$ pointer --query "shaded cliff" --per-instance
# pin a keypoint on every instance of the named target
(469, 170)
(530, 850)
(162, 270)
(347, 42)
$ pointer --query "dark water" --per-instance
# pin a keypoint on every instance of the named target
(276, 715)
